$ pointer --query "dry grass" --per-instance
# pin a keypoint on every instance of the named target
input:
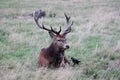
(95, 39)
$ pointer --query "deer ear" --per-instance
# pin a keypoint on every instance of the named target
(52, 35)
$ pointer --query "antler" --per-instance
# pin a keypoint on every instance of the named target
(36, 18)
(68, 27)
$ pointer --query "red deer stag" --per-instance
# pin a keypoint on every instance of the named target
(53, 56)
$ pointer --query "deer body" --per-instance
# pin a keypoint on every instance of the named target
(53, 56)
(47, 55)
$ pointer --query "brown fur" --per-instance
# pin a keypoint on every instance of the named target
(52, 56)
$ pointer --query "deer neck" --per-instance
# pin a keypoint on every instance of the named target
(54, 49)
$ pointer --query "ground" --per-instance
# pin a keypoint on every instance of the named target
(94, 40)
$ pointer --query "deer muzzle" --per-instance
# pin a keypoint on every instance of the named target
(66, 46)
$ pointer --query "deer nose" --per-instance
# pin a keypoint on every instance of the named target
(67, 46)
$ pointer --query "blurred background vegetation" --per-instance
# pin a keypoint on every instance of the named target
(95, 39)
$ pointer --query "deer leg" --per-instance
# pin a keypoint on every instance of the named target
(42, 61)
(62, 64)
(66, 60)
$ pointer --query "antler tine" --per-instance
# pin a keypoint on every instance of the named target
(36, 21)
(67, 18)
(55, 31)
(59, 30)
(45, 28)
(68, 28)
(36, 18)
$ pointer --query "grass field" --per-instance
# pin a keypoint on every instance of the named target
(94, 40)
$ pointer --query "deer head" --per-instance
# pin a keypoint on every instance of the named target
(59, 39)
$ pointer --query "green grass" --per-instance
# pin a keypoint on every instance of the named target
(94, 40)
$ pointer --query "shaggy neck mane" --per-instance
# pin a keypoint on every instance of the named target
(53, 49)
